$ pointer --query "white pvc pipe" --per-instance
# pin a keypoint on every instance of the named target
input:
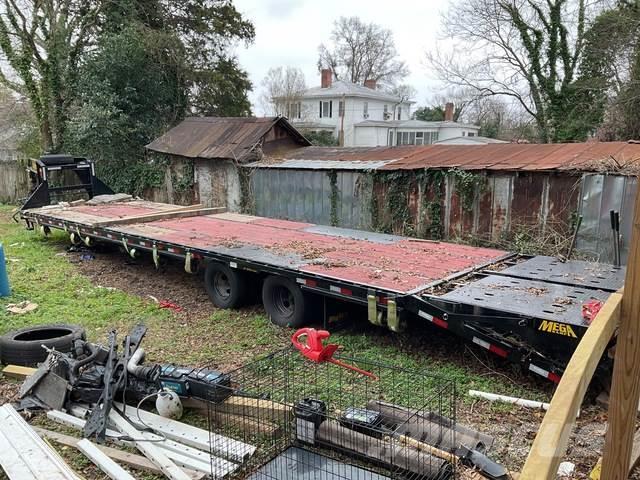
(493, 397)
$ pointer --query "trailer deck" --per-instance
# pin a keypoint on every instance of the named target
(527, 310)
(387, 262)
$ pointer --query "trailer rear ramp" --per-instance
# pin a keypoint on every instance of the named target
(524, 309)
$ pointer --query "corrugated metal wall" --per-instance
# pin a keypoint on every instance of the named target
(508, 202)
(305, 195)
(600, 195)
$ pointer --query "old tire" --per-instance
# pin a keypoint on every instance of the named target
(24, 346)
(284, 302)
(226, 287)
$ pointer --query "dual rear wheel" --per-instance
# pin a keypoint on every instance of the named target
(283, 300)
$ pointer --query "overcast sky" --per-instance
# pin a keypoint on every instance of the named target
(288, 33)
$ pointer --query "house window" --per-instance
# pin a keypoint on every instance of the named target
(293, 110)
(385, 113)
(419, 138)
(406, 138)
(365, 110)
(341, 108)
(434, 137)
(464, 133)
(326, 109)
(399, 113)
(471, 134)
(390, 143)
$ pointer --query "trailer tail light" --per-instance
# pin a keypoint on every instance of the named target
(307, 283)
(435, 320)
(340, 290)
(492, 348)
(554, 377)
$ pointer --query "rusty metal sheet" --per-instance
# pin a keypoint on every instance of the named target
(219, 137)
(505, 157)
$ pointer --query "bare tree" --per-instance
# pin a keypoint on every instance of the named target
(527, 50)
(282, 89)
(361, 51)
(41, 43)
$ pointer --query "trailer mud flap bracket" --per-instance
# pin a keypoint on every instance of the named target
(375, 317)
(393, 320)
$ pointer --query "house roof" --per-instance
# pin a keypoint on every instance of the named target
(348, 89)
(219, 137)
(414, 124)
(590, 156)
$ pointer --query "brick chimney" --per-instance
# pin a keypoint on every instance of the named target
(326, 76)
(448, 112)
(370, 83)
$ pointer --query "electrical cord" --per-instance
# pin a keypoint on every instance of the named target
(148, 428)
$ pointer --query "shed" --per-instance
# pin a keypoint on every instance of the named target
(494, 193)
(204, 153)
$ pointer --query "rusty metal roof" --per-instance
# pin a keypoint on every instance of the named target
(527, 157)
(219, 137)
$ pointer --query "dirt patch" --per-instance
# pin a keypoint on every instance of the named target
(112, 269)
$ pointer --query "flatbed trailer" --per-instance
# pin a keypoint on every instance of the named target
(527, 310)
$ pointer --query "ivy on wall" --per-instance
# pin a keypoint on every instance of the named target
(247, 197)
(334, 197)
(392, 214)
(468, 186)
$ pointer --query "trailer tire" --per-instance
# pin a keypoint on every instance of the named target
(24, 346)
(226, 287)
(284, 302)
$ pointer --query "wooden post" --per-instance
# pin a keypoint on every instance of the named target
(625, 389)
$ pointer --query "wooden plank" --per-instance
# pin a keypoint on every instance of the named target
(18, 372)
(182, 455)
(132, 460)
(245, 424)
(254, 407)
(103, 462)
(151, 451)
(152, 217)
(551, 441)
(635, 456)
(625, 387)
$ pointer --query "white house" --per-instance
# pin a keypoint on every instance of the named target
(366, 117)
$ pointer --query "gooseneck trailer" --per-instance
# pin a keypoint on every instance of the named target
(529, 310)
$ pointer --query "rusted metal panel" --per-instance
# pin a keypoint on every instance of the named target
(220, 137)
(502, 186)
(528, 190)
(492, 157)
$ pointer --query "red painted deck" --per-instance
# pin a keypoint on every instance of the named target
(402, 266)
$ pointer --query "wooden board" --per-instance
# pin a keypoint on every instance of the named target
(152, 217)
(130, 459)
(263, 409)
(245, 424)
(625, 387)
(553, 435)
(18, 372)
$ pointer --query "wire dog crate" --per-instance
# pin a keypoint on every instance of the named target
(318, 421)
